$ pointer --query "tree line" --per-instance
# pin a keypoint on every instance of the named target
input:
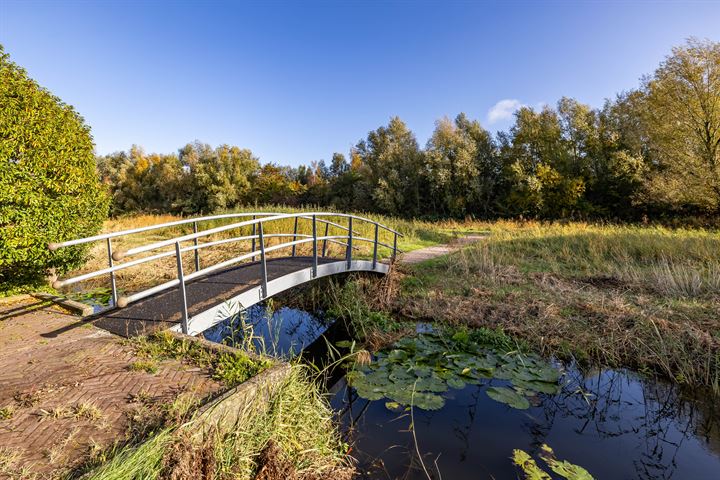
(653, 151)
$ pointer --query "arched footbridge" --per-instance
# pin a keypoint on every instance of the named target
(219, 268)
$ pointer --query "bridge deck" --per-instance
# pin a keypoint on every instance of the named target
(162, 311)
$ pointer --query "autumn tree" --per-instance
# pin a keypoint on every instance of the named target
(392, 168)
(683, 121)
(461, 168)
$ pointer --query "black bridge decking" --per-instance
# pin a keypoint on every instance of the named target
(162, 310)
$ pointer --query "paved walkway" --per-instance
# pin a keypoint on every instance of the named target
(66, 388)
(428, 253)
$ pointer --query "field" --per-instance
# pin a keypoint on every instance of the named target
(624, 296)
(645, 297)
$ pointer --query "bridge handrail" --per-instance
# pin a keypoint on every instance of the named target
(256, 223)
(115, 268)
(131, 231)
(126, 300)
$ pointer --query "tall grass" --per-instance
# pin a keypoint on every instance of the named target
(631, 296)
(676, 262)
(295, 417)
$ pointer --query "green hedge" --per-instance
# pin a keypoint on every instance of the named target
(49, 189)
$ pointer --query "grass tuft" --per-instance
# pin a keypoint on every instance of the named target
(7, 412)
(148, 366)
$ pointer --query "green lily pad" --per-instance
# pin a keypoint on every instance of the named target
(509, 397)
(430, 364)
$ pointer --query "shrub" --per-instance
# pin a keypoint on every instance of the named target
(49, 189)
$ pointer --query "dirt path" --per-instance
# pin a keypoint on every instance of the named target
(66, 389)
(423, 254)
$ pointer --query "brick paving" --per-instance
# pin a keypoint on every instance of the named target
(51, 361)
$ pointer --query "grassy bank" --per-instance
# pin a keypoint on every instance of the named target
(279, 427)
(643, 297)
(288, 435)
(647, 298)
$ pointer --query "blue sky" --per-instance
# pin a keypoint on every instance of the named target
(297, 81)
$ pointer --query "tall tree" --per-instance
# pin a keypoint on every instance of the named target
(221, 177)
(540, 172)
(461, 169)
(683, 118)
(393, 166)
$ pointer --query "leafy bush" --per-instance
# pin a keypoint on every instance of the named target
(49, 190)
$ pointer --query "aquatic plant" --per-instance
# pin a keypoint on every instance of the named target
(429, 365)
(561, 467)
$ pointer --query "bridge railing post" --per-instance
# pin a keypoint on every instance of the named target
(394, 254)
(111, 263)
(375, 246)
(181, 289)
(295, 232)
(252, 247)
(324, 249)
(348, 251)
(314, 247)
(197, 250)
(263, 262)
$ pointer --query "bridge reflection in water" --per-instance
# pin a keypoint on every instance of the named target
(193, 302)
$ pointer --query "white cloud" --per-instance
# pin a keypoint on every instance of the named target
(503, 110)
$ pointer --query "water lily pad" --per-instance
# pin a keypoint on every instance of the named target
(428, 401)
(509, 397)
(455, 382)
(432, 384)
(397, 356)
(429, 365)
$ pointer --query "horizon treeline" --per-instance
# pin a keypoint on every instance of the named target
(653, 151)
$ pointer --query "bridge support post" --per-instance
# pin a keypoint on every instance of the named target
(197, 251)
(315, 255)
(263, 263)
(295, 231)
(113, 284)
(324, 250)
(348, 251)
(252, 247)
(394, 254)
(181, 288)
(375, 245)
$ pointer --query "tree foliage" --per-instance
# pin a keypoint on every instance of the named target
(48, 183)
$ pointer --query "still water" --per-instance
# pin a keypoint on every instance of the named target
(615, 423)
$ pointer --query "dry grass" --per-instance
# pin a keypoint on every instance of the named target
(291, 430)
(625, 296)
(80, 411)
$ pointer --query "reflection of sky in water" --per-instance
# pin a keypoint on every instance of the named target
(283, 332)
(628, 428)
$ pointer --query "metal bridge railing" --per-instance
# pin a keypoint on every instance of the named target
(259, 248)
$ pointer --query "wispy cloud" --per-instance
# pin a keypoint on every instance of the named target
(503, 110)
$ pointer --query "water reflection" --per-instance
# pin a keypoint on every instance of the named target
(614, 423)
(284, 332)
